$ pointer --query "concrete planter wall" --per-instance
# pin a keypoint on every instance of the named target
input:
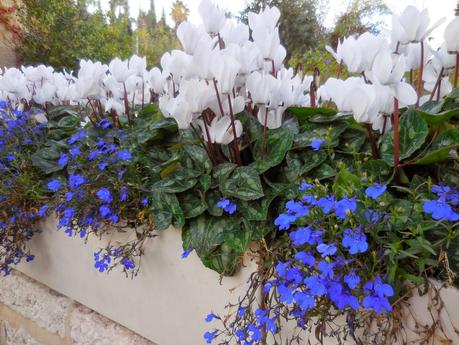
(167, 302)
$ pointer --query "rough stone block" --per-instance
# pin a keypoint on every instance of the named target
(89, 328)
(14, 336)
(35, 302)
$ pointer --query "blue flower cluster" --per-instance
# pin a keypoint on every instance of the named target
(96, 191)
(324, 270)
(227, 205)
(443, 208)
(19, 134)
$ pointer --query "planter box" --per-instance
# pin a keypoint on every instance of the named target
(168, 300)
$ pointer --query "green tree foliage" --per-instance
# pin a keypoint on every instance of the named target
(179, 12)
(359, 17)
(300, 28)
(154, 38)
(61, 32)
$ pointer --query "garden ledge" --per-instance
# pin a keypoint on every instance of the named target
(168, 300)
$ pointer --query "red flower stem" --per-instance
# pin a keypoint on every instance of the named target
(437, 85)
(126, 104)
(396, 136)
(263, 141)
(456, 71)
(421, 72)
(220, 105)
(233, 126)
(210, 152)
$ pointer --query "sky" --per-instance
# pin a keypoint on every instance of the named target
(437, 9)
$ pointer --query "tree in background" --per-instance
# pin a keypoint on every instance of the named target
(61, 32)
(179, 13)
(154, 38)
(300, 28)
(360, 16)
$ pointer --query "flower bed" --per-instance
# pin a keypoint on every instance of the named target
(349, 188)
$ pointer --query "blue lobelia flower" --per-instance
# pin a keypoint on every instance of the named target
(355, 241)
(54, 185)
(315, 285)
(124, 155)
(128, 263)
(186, 253)
(210, 317)
(375, 191)
(344, 206)
(209, 336)
(75, 151)
(352, 280)
(306, 186)
(124, 194)
(104, 195)
(327, 204)
(284, 221)
(285, 294)
(301, 236)
(76, 180)
(42, 211)
(227, 205)
(281, 268)
(326, 249)
(440, 210)
(305, 258)
(316, 144)
(104, 211)
(254, 332)
(63, 160)
(326, 269)
(297, 208)
(304, 300)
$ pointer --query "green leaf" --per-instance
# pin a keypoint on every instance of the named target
(223, 171)
(413, 131)
(301, 162)
(218, 241)
(192, 204)
(166, 211)
(377, 169)
(329, 132)
(346, 184)
(69, 122)
(322, 172)
(304, 114)
(257, 210)
(243, 183)
(278, 142)
(435, 119)
(432, 107)
(177, 182)
(46, 158)
(454, 94)
(204, 182)
(212, 198)
(352, 140)
(441, 147)
(199, 157)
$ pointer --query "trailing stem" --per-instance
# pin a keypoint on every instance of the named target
(421, 72)
(396, 136)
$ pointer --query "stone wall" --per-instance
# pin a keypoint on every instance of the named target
(33, 314)
(7, 54)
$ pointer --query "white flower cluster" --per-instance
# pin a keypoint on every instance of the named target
(226, 67)
(381, 62)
